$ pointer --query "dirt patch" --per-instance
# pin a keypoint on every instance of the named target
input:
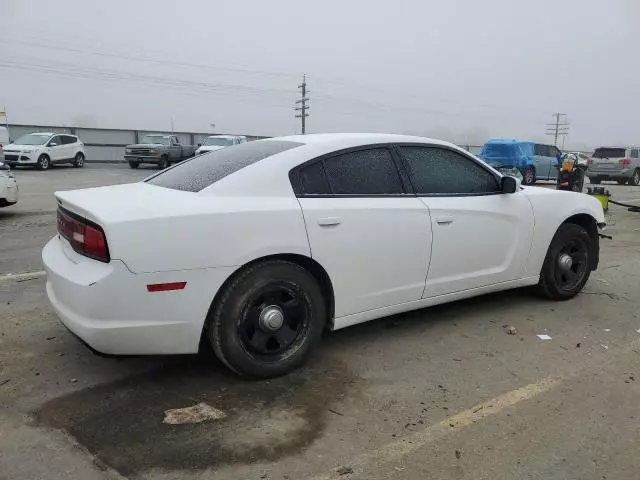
(121, 423)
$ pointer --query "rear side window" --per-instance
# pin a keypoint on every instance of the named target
(204, 170)
(634, 153)
(363, 172)
(609, 153)
(439, 171)
(68, 139)
(369, 171)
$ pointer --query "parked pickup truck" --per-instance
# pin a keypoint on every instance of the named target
(161, 150)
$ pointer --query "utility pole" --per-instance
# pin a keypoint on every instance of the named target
(303, 104)
(559, 128)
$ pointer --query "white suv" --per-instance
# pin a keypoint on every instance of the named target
(45, 149)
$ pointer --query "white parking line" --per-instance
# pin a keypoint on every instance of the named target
(400, 448)
(21, 277)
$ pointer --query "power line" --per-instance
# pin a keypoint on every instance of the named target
(559, 128)
(303, 104)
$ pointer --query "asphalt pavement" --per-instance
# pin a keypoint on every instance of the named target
(441, 393)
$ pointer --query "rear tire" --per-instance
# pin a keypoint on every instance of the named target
(529, 176)
(621, 181)
(239, 325)
(133, 164)
(78, 161)
(44, 162)
(635, 178)
(567, 266)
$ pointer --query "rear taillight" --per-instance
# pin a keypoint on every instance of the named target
(589, 162)
(624, 161)
(85, 237)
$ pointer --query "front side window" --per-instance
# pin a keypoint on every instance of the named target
(634, 153)
(204, 170)
(440, 171)
(57, 140)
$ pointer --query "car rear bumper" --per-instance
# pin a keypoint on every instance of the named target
(624, 173)
(110, 309)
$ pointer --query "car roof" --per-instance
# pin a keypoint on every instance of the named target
(223, 136)
(270, 176)
(345, 140)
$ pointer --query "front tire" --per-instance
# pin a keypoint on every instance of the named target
(133, 164)
(44, 162)
(164, 163)
(635, 178)
(567, 266)
(595, 181)
(529, 176)
(267, 319)
(78, 161)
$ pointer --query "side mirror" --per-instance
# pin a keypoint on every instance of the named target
(53, 144)
(509, 184)
(199, 144)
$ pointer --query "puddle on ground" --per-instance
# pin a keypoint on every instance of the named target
(121, 423)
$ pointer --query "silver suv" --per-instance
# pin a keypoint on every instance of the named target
(621, 164)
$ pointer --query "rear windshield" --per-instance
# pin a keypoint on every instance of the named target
(199, 172)
(609, 153)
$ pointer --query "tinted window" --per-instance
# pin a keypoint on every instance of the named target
(543, 150)
(313, 180)
(634, 153)
(68, 139)
(435, 170)
(199, 172)
(364, 172)
(554, 151)
(609, 153)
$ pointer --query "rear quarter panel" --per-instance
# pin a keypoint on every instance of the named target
(550, 209)
(220, 232)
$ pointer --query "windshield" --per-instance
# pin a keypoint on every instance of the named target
(609, 153)
(33, 139)
(500, 150)
(155, 140)
(218, 141)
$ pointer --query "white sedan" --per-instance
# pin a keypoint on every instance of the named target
(257, 249)
(8, 186)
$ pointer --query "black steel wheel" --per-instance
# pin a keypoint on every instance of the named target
(568, 263)
(267, 319)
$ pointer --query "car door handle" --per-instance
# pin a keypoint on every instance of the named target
(329, 221)
(444, 220)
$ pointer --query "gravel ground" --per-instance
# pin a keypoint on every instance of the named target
(443, 393)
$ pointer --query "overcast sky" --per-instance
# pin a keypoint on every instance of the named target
(463, 70)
